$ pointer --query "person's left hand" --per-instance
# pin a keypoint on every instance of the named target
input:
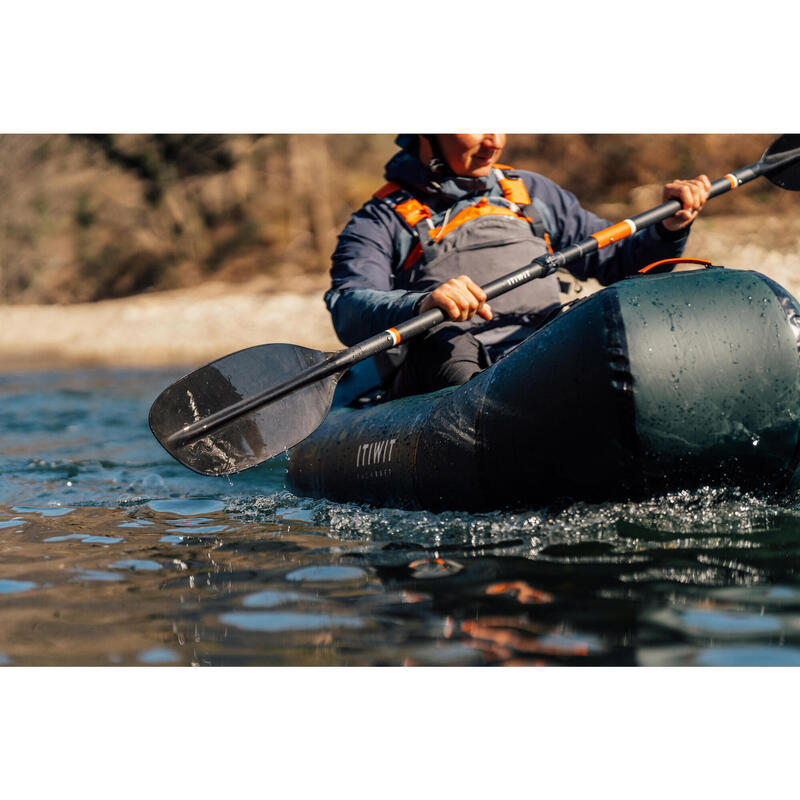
(693, 194)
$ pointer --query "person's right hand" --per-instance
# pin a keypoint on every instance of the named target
(460, 298)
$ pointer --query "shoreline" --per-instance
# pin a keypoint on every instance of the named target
(190, 327)
(176, 328)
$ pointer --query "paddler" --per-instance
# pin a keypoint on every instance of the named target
(452, 218)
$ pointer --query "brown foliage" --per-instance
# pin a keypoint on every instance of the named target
(608, 169)
(84, 218)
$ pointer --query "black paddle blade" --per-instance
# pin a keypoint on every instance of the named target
(787, 177)
(252, 437)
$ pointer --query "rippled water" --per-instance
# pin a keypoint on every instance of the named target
(112, 553)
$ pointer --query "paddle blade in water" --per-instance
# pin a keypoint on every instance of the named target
(256, 435)
(787, 177)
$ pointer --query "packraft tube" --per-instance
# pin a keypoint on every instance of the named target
(654, 383)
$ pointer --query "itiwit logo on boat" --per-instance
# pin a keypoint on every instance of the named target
(371, 454)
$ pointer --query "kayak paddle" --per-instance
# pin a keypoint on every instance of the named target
(221, 419)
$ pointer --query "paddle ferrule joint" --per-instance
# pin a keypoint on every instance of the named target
(616, 232)
(735, 182)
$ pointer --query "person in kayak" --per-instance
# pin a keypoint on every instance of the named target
(452, 218)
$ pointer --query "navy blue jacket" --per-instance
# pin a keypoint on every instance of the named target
(363, 299)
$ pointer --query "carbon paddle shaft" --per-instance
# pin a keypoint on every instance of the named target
(539, 268)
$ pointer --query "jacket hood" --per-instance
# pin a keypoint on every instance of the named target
(407, 170)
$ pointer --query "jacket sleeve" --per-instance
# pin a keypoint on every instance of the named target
(570, 223)
(362, 299)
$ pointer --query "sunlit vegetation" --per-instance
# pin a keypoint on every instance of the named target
(89, 217)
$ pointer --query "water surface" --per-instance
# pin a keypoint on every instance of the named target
(113, 553)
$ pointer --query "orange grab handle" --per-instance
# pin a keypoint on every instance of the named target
(702, 261)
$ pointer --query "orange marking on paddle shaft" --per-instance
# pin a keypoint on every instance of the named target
(701, 261)
(394, 334)
(613, 234)
(732, 178)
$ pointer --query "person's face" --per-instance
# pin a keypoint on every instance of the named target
(472, 154)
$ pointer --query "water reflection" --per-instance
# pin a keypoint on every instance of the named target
(95, 575)
(136, 564)
(111, 553)
(190, 507)
(287, 621)
(326, 574)
(45, 512)
(158, 655)
(270, 598)
(10, 587)
(234, 590)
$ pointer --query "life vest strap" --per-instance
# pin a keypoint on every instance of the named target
(405, 205)
(480, 209)
(387, 189)
(513, 188)
(412, 257)
(413, 212)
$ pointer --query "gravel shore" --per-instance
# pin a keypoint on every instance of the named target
(177, 328)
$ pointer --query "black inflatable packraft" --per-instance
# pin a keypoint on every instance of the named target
(654, 383)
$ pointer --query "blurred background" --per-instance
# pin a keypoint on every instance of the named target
(95, 218)
(88, 217)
